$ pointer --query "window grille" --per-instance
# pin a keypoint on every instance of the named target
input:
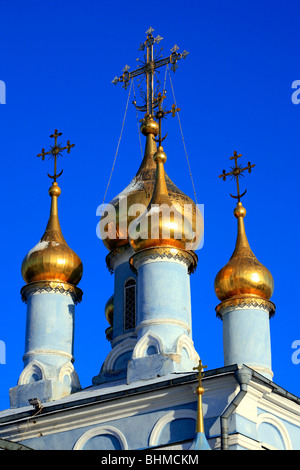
(129, 304)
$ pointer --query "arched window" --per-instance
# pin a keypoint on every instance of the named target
(129, 304)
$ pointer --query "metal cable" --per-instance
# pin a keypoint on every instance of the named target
(118, 143)
(137, 120)
(190, 171)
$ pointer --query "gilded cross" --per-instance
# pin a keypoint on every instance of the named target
(200, 391)
(200, 368)
(149, 67)
(237, 172)
(55, 151)
(161, 113)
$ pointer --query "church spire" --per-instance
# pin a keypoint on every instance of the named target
(51, 271)
(243, 275)
(200, 441)
(161, 224)
(52, 259)
(245, 284)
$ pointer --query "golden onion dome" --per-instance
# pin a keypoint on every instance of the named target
(140, 191)
(109, 310)
(52, 259)
(158, 225)
(243, 275)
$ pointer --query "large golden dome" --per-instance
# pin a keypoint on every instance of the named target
(243, 275)
(158, 225)
(140, 191)
(52, 259)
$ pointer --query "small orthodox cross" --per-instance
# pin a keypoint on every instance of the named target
(200, 368)
(237, 172)
(161, 113)
(55, 151)
(149, 67)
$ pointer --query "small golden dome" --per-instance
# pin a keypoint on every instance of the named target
(140, 191)
(161, 224)
(109, 310)
(52, 259)
(243, 275)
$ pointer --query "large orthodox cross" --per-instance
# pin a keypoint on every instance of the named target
(149, 67)
(55, 151)
(237, 172)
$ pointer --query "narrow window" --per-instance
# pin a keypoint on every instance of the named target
(129, 304)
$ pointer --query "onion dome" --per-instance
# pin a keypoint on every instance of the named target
(109, 310)
(243, 275)
(158, 225)
(52, 259)
(140, 191)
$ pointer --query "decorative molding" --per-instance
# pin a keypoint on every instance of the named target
(245, 303)
(45, 372)
(166, 419)
(53, 287)
(125, 346)
(165, 253)
(278, 424)
(163, 321)
(185, 342)
(33, 368)
(62, 420)
(52, 352)
(113, 255)
(68, 370)
(149, 339)
(100, 431)
(152, 339)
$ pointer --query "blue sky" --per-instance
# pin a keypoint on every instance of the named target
(234, 90)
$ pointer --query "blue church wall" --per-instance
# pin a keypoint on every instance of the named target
(278, 432)
(49, 325)
(246, 338)
(161, 284)
(170, 425)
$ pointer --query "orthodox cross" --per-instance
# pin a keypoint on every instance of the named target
(200, 368)
(200, 391)
(149, 67)
(55, 151)
(161, 113)
(237, 172)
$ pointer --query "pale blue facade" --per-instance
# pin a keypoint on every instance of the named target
(246, 338)
(49, 341)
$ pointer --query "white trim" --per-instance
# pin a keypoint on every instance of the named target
(34, 367)
(53, 352)
(168, 418)
(98, 431)
(125, 346)
(277, 423)
(163, 321)
(185, 342)
(149, 339)
(68, 369)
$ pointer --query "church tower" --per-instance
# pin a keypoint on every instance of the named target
(150, 311)
(51, 271)
(244, 286)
